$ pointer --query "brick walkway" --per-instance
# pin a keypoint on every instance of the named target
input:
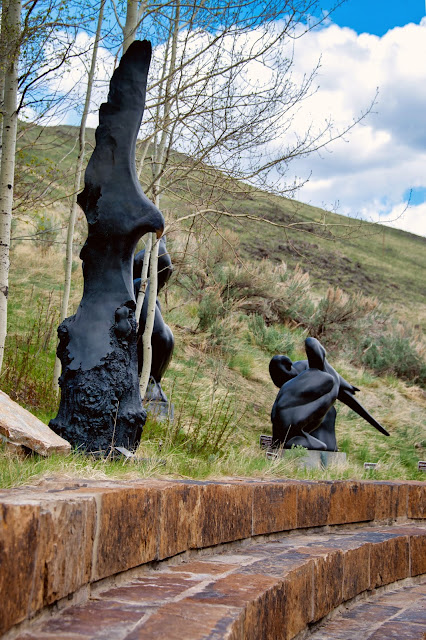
(259, 591)
(398, 614)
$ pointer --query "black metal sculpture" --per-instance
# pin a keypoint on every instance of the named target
(100, 400)
(303, 413)
(162, 339)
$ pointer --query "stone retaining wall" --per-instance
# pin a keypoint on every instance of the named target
(55, 539)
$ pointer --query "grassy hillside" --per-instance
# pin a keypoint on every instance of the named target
(243, 290)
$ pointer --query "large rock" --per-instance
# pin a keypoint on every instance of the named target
(20, 427)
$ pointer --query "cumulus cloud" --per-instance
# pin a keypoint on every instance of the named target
(369, 171)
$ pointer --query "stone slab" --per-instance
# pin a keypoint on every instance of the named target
(351, 502)
(274, 507)
(22, 428)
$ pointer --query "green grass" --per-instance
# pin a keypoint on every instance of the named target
(232, 305)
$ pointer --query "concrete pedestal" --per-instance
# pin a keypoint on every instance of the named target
(312, 459)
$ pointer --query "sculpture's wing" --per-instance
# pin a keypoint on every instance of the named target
(350, 401)
(303, 401)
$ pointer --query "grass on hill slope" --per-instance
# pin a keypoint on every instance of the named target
(232, 304)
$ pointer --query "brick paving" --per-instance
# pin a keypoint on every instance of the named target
(398, 614)
(261, 590)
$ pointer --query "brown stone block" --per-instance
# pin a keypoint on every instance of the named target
(391, 500)
(65, 547)
(205, 568)
(225, 513)
(297, 606)
(295, 571)
(399, 631)
(95, 618)
(265, 616)
(418, 554)
(179, 522)
(274, 507)
(47, 551)
(351, 502)
(151, 589)
(19, 536)
(127, 529)
(313, 503)
(356, 571)
(416, 500)
(235, 590)
(188, 620)
(389, 561)
(328, 583)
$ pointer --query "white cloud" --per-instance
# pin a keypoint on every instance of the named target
(411, 218)
(369, 171)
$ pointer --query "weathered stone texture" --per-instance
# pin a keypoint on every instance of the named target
(57, 538)
(127, 529)
(351, 502)
(225, 513)
(391, 500)
(274, 507)
(22, 428)
(389, 561)
(45, 553)
(328, 583)
(179, 524)
(418, 554)
(416, 500)
(313, 504)
(356, 571)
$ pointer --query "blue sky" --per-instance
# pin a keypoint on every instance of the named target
(378, 16)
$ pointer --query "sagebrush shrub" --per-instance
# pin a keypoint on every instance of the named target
(270, 339)
(394, 354)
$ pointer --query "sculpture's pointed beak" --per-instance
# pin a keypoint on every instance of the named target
(350, 401)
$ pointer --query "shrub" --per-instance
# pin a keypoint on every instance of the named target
(270, 339)
(340, 312)
(394, 354)
(209, 309)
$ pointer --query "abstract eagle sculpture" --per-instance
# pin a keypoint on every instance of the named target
(100, 400)
(303, 413)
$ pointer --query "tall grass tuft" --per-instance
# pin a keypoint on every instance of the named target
(27, 375)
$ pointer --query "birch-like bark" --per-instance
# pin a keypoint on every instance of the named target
(144, 277)
(150, 317)
(157, 170)
(11, 29)
(77, 183)
(134, 12)
(2, 72)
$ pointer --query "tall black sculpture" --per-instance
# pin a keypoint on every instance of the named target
(303, 413)
(162, 339)
(100, 400)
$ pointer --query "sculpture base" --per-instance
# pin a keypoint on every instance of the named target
(160, 410)
(312, 459)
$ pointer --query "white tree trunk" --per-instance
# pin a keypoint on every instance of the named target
(144, 276)
(77, 182)
(134, 11)
(11, 28)
(150, 316)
